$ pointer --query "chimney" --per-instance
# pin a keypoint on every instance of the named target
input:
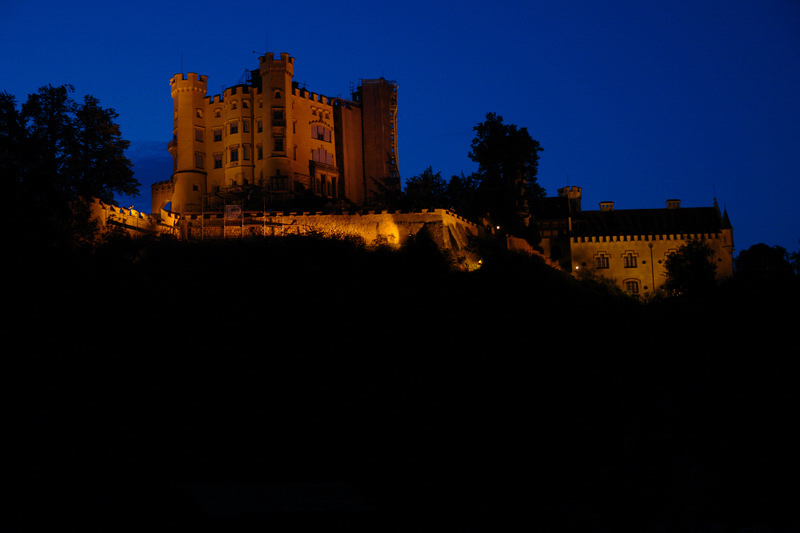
(673, 204)
(606, 206)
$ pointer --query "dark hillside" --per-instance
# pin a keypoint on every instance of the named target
(180, 389)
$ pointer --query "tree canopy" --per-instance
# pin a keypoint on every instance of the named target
(426, 190)
(508, 161)
(691, 270)
(56, 154)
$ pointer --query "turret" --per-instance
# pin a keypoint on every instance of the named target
(574, 196)
(187, 146)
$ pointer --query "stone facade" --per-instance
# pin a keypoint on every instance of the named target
(628, 246)
(270, 139)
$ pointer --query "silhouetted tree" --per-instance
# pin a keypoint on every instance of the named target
(763, 263)
(462, 195)
(691, 270)
(426, 190)
(508, 161)
(794, 257)
(56, 156)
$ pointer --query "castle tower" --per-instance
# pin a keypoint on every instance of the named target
(378, 99)
(573, 194)
(187, 147)
(237, 113)
(277, 115)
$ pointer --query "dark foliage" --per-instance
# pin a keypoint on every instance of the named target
(55, 156)
(765, 264)
(508, 161)
(427, 190)
(511, 398)
(691, 270)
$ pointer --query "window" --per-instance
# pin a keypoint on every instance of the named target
(320, 133)
(198, 160)
(234, 127)
(630, 260)
(246, 126)
(279, 144)
(246, 153)
(199, 113)
(245, 104)
(234, 105)
(217, 160)
(259, 126)
(217, 135)
(260, 151)
(217, 113)
(602, 260)
(198, 135)
(632, 286)
(234, 155)
(322, 156)
(277, 94)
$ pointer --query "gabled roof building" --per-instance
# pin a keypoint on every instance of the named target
(628, 246)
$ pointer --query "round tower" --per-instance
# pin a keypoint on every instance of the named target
(277, 114)
(187, 146)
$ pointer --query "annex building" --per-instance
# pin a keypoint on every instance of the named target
(267, 141)
(628, 246)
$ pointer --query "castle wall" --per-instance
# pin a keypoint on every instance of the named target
(134, 222)
(446, 229)
(636, 262)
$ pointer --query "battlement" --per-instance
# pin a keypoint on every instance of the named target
(269, 59)
(646, 237)
(268, 63)
(190, 81)
(302, 92)
(569, 191)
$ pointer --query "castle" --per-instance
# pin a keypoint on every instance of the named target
(628, 246)
(240, 159)
(268, 141)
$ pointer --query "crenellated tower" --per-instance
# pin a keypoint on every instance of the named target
(268, 142)
(277, 115)
(187, 146)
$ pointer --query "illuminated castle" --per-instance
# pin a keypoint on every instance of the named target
(628, 246)
(267, 141)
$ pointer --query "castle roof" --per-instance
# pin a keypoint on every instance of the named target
(649, 221)
(552, 207)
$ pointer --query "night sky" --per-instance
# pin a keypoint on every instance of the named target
(635, 101)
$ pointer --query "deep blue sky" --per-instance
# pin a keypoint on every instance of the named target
(635, 101)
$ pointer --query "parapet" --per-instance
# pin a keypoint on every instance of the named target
(569, 191)
(268, 62)
(189, 82)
